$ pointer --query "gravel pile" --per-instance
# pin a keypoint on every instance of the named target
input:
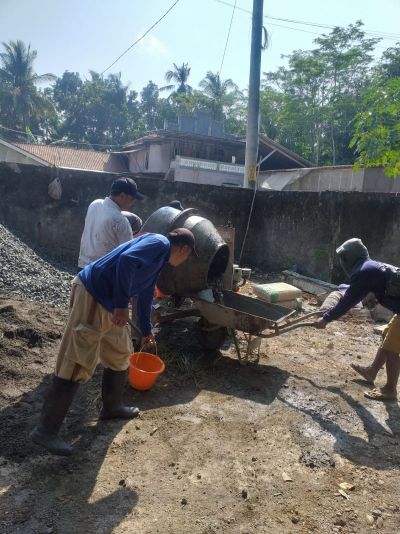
(24, 273)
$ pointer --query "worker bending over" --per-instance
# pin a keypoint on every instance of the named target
(97, 327)
(370, 276)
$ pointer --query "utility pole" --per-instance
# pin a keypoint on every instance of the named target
(254, 96)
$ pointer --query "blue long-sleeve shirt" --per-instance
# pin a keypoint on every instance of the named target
(129, 270)
(368, 276)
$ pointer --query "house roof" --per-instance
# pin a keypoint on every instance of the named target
(281, 158)
(267, 142)
(161, 135)
(74, 158)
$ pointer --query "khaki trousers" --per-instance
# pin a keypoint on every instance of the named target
(90, 337)
(391, 334)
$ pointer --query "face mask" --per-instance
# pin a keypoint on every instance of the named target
(346, 270)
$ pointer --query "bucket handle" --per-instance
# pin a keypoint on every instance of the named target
(151, 345)
(141, 350)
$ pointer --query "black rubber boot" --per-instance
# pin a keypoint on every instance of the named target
(55, 408)
(112, 391)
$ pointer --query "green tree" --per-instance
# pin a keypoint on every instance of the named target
(389, 65)
(235, 120)
(321, 92)
(377, 128)
(179, 75)
(221, 94)
(347, 55)
(150, 107)
(295, 97)
(188, 103)
(99, 111)
(22, 105)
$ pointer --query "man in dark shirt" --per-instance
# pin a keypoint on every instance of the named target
(370, 276)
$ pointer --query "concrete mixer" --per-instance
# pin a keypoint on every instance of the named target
(196, 274)
(221, 311)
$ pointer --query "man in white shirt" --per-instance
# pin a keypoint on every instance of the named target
(105, 226)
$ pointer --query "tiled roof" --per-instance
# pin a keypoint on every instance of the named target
(74, 158)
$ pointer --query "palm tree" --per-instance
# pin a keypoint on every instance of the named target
(20, 100)
(220, 92)
(180, 77)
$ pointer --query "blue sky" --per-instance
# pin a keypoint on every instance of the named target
(83, 35)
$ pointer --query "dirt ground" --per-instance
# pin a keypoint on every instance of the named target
(219, 448)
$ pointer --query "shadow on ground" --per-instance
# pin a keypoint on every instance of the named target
(379, 449)
(191, 369)
(56, 494)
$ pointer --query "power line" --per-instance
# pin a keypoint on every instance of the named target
(295, 29)
(227, 39)
(141, 37)
(381, 35)
(311, 33)
(53, 140)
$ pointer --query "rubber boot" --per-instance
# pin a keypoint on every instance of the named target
(112, 391)
(55, 408)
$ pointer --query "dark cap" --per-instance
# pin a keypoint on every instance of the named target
(127, 186)
(183, 236)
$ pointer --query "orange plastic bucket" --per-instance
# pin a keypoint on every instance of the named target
(159, 294)
(144, 369)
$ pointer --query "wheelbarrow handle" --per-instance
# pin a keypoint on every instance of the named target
(302, 318)
(292, 325)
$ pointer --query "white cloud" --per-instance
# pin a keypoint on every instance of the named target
(153, 45)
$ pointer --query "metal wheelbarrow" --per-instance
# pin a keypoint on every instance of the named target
(236, 312)
(251, 316)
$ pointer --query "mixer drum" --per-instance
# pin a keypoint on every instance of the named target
(195, 274)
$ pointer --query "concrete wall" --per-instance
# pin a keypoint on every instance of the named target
(137, 161)
(287, 228)
(341, 178)
(197, 171)
(159, 159)
(375, 180)
(329, 179)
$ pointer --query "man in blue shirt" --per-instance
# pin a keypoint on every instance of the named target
(97, 328)
(370, 276)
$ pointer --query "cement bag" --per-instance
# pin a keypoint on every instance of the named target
(331, 300)
(55, 190)
(276, 292)
(296, 304)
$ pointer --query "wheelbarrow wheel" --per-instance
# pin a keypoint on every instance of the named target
(212, 336)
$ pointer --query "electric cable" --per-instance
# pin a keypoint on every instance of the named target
(373, 33)
(250, 213)
(227, 39)
(54, 140)
(141, 37)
